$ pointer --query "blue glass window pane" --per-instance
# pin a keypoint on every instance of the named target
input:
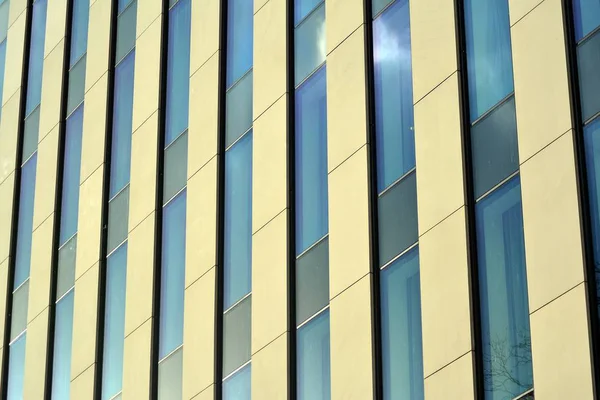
(120, 164)
(31, 133)
(126, 24)
(123, 4)
(503, 293)
(240, 18)
(79, 29)
(303, 7)
(311, 162)
(312, 281)
(19, 310)
(16, 369)
(313, 364)
(114, 323)
(175, 167)
(378, 5)
(489, 55)
(173, 275)
(178, 71)
(4, 20)
(76, 85)
(587, 16)
(118, 219)
(309, 45)
(591, 136)
(170, 376)
(63, 335)
(393, 95)
(66, 267)
(71, 174)
(239, 385)
(238, 221)
(402, 344)
(588, 56)
(36, 56)
(239, 109)
(25, 227)
(237, 323)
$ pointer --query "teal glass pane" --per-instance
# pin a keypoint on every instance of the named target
(76, 84)
(312, 281)
(240, 19)
(36, 56)
(588, 60)
(4, 20)
(239, 109)
(587, 17)
(79, 29)
(309, 45)
(122, 4)
(237, 323)
(25, 222)
(66, 267)
(304, 7)
(378, 5)
(19, 310)
(126, 25)
(591, 134)
(239, 385)
(170, 376)
(175, 167)
(118, 219)
(313, 362)
(63, 337)
(30, 134)
(16, 369)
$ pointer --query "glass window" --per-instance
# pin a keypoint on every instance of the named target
(126, 24)
(173, 275)
(313, 364)
(591, 136)
(239, 109)
(30, 135)
(71, 174)
(588, 57)
(393, 95)
(238, 221)
(378, 5)
(118, 219)
(122, 4)
(489, 55)
(76, 84)
(175, 177)
(25, 223)
(19, 310)
(238, 386)
(66, 267)
(16, 369)
(79, 29)
(402, 347)
(303, 7)
(587, 16)
(170, 375)
(312, 281)
(240, 18)
(3, 20)
(236, 335)
(36, 56)
(504, 305)
(311, 162)
(309, 44)
(63, 335)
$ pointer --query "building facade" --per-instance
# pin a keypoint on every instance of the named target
(300, 199)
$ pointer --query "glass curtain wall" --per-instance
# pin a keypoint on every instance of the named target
(4, 6)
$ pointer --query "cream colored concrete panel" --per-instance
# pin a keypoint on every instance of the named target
(258, 4)
(56, 15)
(199, 335)
(346, 100)
(140, 275)
(84, 321)
(519, 8)
(51, 90)
(204, 114)
(147, 72)
(89, 223)
(6, 209)
(270, 56)
(98, 42)
(35, 354)
(269, 164)
(136, 363)
(147, 13)
(551, 222)
(438, 149)
(204, 32)
(94, 128)
(82, 387)
(445, 301)
(3, 287)
(9, 127)
(269, 282)
(351, 343)
(343, 18)
(207, 394)
(142, 192)
(201, 223)
(15, 45)
(349, 247)
(453, 382)
(269, 370)
(39, 276)
(560, 348)
(541, 80)
(433, 44)
(45, 183)
(17, 9)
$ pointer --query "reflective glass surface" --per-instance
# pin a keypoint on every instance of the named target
(378, 5)
(76, 84)
(19, 310)
(175, 167)
(66, 267)
(240, 17)
(16, 369)
(79, 29)
(126, 25)
(313, 362)
(303, 7)
(63, 335)
(36, 56)
(312, 281)
(4, 6)
(591, 136)
(71, 174)
(118, 219)
(309, 44)
(31, 133)
(588, 60)
(238, 386)
(25, 222)
(587, 16)
(170, 374)
(237, 325)
(122, 4)
(239, 109)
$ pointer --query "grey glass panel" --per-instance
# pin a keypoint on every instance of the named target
(494, 147)
(66, 267)
(170, 376)
(303, 7)
(236, 336)
(587, 16)
(312, 281)
(309, 45)
(398, 228)
(63, 335)
(118, 219)
(175, 167)
(36, 55)
(76, 85)
(3, 20)
(30, 134)
(126, 24)
(313, 363)
(239, 109)
(25, 223)
(79, 29)
(378, 5)
(122, 4)
(16, 369)
(240, 20)
(19, 310)
(239, 385)
(588, 56)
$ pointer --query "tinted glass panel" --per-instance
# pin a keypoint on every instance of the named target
(170, 376)
(36, 56)
(3, 20)
(239, 109)
(118, 219)
(25, 224)
(19, 310)
(503, 293)
(587, 16)
(63, 335)
(312, 281)
(76, 85)
(236, 336)
(122, 4)
(401, 329)
(126, 24)
(175, 167)
(66, 267)
(592, 157)
(588, 56)
(71, 174)
(311, 162)
(79, 29)
(16, 369)
(238, 221)
(378, 5)
(494, 147)
(240, 17)
(309, 44)
(314, 370)
(30, 135)
(238, 386)
(489, 55)
(173, 275)
(303, 7)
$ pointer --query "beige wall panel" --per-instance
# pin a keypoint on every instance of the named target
(3, 287)
(199, 335)
(560, 348)
(541, 80)
(349, 247)
(51, 90)
(17, 9)
(204, 33)
(35, 354)
(519, 8)
(351, 343)
(204, 114)
(445, 304)
(258, 4)
(453, 382)
(6, 209)
(136, 363)
(269, 370)
(98, 42)
(270, 56)
(269, 164)
(56, 15)
(551, 222)
(89, 224)
(9, 124)
(140, 275)
(433, 44)
(346, 99)
(94, 128)
(269, 283)
(45, 182)
(13, 68)
(147, 13)
(85, 308)
(82, 387)
(207, 394)
(201, 223)
(438, 150)
(343, 18)
(39, 276)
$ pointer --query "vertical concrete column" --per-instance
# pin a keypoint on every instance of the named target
(553, 243)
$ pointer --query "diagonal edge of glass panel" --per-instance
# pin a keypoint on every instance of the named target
(303, 9)
(76, 84)
(238, 109)
(237, 324)
(309, 45)
(66, 267)
(238, 386)
(312, 281)
(118, 219)
(588, 62)
(30, 134)
(122, 5)
(170, 376)
(126, 26)
(19, 310)
(4, 6)
(175, 166)
(380, 6)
